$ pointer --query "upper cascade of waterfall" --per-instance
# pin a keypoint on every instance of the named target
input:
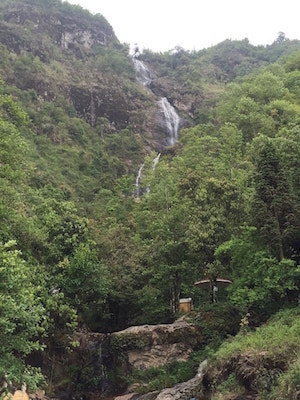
(170, 120)
(143, 74)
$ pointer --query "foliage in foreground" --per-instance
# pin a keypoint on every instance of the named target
(23, 318)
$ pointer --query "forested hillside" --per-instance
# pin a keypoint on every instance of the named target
(80, 247)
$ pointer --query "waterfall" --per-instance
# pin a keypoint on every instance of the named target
(170, 120)
(154, 164)
(137, 180)
(95, 355)
(101, 367)
(143, 74)
(138, 190)
(155, 161)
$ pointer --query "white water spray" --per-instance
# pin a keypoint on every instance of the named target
(155, 161)
(138, 179)
(139, 175)
(143, 74)
(170, 120)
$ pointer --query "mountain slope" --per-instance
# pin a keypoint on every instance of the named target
(101, 251)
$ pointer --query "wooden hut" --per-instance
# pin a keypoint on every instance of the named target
(185, 305)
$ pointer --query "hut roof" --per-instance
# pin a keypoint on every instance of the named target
(206, 283)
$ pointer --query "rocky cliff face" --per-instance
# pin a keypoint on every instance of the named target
(55, 49)
(69, 30)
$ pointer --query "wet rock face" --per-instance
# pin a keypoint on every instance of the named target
(82, 37)
(104, 101)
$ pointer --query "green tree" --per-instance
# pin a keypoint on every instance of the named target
(84, 281)
(232, 145)
(23, 317)
(61, 228)
(261, 283)
(12, 167)
(214, 211)
(266, 87)
(161, 226)
(121, 251)
(275, 209)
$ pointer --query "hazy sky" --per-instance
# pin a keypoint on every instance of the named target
(160, 25)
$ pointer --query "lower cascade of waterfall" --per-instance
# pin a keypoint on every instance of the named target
(137, 181)
(138, 191)
(170, 120)
(155, 161)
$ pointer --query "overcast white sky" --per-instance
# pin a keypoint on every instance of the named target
(160, 25)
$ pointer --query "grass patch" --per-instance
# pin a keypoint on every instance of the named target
(228, 388)
(265, 361)
(288, 387)
(279, 336)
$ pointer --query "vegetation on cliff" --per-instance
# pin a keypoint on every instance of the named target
(78, 246)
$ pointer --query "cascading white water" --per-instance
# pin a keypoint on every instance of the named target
(143, 74)
(139, 175)
(155, 161)
(170, 120)
(137, 180)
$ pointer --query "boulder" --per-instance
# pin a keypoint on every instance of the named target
(156, 345)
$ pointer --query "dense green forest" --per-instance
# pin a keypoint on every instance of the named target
(79, 249)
